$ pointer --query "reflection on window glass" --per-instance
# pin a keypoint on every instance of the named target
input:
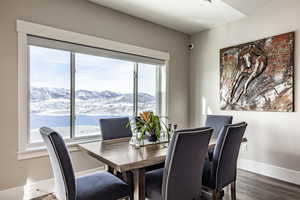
(104, 88)
(49, 91)
(147, 88)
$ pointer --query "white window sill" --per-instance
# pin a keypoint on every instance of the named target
(41, 151)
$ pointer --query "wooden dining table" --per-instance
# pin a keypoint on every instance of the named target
(120, 155)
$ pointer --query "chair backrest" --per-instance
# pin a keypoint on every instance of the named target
(61, 164)
(226, 154)
(112, 128)
(217, 122)
(184, 163)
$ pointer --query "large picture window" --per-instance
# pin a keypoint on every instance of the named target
(71, 87)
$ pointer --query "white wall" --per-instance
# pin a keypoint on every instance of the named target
(83, 17)
(273, 137)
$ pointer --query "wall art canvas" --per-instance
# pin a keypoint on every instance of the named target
(258, 76)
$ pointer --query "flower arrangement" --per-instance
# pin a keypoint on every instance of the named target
(150, 125)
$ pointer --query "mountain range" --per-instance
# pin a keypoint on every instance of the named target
(45, 100)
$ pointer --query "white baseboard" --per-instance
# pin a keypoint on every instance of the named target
(283, 174)
(36, 189)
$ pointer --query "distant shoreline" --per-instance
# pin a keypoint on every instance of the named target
(37, 120)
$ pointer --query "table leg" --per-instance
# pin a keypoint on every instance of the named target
(128, 178)
(139, 184)
(110, 169)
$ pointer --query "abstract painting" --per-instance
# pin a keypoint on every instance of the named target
(258, 76)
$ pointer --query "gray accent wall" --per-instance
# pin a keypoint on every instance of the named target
(88, 18)
(273, 137)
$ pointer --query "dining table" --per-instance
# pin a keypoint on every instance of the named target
(121, 156)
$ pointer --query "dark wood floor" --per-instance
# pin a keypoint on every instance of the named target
(254, 187)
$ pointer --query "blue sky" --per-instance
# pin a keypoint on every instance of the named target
(51, 68)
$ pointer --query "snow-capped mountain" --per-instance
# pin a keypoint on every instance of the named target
(43, 94)
(57, 101)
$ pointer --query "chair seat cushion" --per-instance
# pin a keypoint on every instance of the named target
(101, 185)
(154, 184)
(207, 178)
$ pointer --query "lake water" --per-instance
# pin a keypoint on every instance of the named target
(85, 125)
(38, 121)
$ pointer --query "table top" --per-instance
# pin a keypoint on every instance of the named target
(119, 154)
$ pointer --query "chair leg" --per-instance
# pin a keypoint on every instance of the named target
(215, 195)
(221, 194)
(233, 191)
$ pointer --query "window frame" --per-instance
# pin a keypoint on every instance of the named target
(26, 29)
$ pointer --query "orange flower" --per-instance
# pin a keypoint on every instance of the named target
(145, 116)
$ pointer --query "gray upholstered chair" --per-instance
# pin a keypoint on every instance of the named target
(180, 178)
(102, 185)
(217, 122)
(112, 128)
(221, 171)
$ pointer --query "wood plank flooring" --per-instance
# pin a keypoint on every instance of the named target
(252, 186)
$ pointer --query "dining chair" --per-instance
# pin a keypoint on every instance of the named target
(221, 171)
(113, 128)
(180, 178)
(217, 122)
(101, 185)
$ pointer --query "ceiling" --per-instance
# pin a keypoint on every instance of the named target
(188, 16)
(247, 7)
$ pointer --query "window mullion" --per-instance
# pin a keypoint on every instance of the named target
(135, 90)
(28, 97)
(158, 90)
(73, 117)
